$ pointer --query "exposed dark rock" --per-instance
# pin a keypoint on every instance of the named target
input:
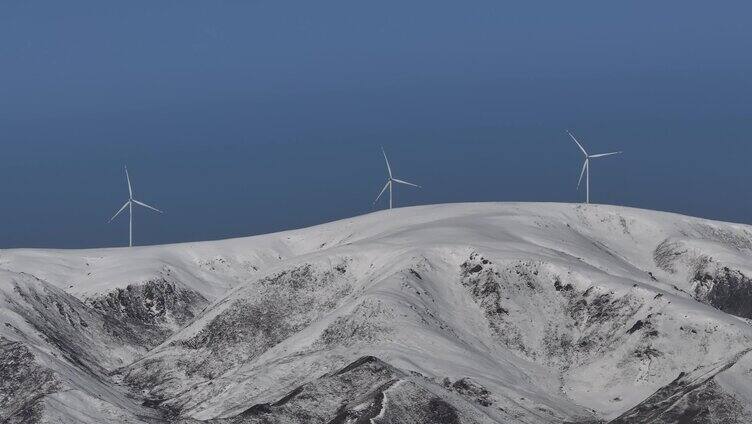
(365, 360)
(637, 325)
(23, 383)
(246, 326)
(735, 239)
(471, 389)
(476, 269)
(288, 397)
(598, 318)
(440, 412)
(605, 307)
(151, 311)
(647, 352)
(666, 254)
(559, 287)
(63, 321)
(691, 398)
(484, 286)
(726, 289)
(366, 389)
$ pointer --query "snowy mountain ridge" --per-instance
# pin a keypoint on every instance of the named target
(457, 313)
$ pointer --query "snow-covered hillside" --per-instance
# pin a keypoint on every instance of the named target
(459, 313)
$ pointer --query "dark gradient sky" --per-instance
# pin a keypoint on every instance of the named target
(245, 117)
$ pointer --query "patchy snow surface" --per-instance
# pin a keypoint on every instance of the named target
(461, 313)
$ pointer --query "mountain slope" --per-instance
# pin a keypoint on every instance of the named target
(538, 313)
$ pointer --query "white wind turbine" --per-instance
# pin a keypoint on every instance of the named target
(586, 165)
(390, 182)
(129, 204)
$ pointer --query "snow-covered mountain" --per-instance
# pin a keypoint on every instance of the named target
(461, 313)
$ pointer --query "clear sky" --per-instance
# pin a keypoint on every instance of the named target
(245, 117)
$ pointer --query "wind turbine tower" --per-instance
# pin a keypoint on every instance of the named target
(129, 204)
(586, 166)
(390, 182)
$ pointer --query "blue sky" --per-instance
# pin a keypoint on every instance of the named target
(245, 117)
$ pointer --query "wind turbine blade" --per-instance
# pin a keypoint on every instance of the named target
(388, 168)
(146, 206)
(578, 143)
(404, 182)
(118, 212)
(382, 191)
(600, 155)
(128, 178)
(584, 166)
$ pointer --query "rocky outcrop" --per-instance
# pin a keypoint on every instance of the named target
(23, 384)
(726, 289)
(692, 398)
(258, 317)
(367, 389)
(151, 311)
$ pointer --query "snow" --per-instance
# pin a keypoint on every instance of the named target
(402, 285)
